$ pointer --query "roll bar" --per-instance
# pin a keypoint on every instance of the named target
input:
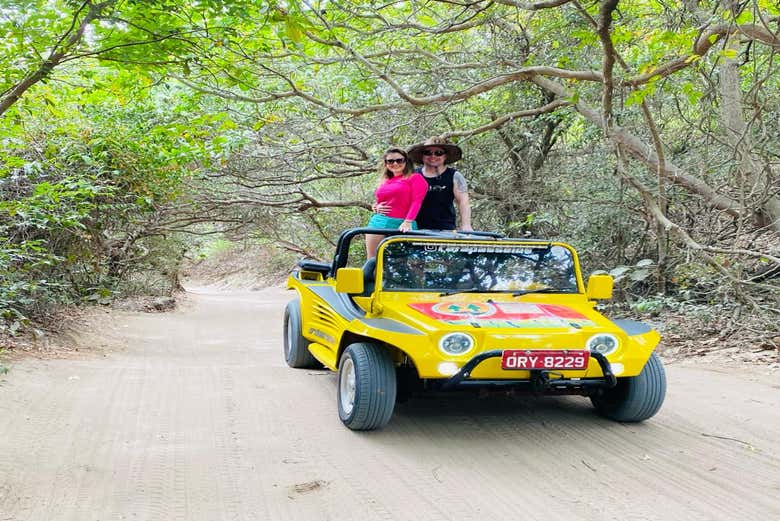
(345, 239)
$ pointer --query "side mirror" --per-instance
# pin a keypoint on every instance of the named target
(349, 280)
(599, 287)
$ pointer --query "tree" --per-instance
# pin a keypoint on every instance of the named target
(349, 76)
(635, 129)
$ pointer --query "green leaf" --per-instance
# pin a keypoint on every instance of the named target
(426, 20)
(639, 275)
(228, 124)
(13, 161)
(293, 30)
(635, 97)
(619, 271)
(745, 17)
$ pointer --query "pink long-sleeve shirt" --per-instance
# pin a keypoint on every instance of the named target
(404, 195)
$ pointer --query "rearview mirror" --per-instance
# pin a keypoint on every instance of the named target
(349, 280)
(600, 287)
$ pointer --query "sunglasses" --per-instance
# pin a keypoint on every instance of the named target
(398, 161)
(437, 153)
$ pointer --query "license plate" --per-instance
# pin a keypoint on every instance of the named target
(525, 359)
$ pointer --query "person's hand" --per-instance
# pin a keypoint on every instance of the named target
(380, 208)
(405, 226)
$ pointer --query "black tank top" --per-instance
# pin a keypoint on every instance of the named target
(438, 209)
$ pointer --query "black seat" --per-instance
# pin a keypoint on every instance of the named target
(369, 277)
(315, 266)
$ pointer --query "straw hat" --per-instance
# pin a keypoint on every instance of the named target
(454, 152)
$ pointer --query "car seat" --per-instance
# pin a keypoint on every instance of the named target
(369, 277)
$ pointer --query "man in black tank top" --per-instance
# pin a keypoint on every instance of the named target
(446, 186)
(438, 211)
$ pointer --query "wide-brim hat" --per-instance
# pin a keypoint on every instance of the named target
(454, 152)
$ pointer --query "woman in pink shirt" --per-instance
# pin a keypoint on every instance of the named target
(403, 191)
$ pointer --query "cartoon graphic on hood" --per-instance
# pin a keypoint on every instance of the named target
(503, 314)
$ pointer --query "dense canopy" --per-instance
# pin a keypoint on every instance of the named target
(644, 132)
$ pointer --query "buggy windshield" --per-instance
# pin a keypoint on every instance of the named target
(454, 267)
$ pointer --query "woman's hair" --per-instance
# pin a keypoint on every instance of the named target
(383, 167)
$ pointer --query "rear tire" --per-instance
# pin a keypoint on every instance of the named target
(366, 387)
(296, 352)
(635, 398)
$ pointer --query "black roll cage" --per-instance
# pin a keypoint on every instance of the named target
(345, 239)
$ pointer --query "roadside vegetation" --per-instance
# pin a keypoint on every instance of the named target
(644, 133)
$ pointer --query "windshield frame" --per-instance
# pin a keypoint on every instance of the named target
(500, 243)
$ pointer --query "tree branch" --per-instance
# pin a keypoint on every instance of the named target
(535, 6)
(603, 31)
(640, 150)
(499, 122)
(702, 45)
(56, 55)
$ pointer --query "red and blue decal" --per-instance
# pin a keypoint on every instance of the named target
(503, 314)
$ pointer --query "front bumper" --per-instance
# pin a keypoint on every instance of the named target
(541, 380)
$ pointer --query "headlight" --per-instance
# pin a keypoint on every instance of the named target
(456, 343)
(602, 343)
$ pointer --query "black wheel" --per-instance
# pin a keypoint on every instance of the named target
(367, 387)
(296, 352)
(635, 398)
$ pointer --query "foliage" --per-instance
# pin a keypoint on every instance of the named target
(85, 202)
(124, 124)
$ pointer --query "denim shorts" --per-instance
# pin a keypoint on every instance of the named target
(387, 223)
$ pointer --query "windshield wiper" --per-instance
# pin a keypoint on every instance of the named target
(540, 290)
(465, 290)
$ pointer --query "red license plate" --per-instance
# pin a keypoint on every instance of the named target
(524, 359)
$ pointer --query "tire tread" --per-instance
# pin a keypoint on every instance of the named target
(375, 384)
(636, 398)
(298, 356)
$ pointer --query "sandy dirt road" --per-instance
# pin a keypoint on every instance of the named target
(193, 415)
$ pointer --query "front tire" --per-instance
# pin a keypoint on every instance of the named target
(635, 398)
(296, 352)
(366, 387)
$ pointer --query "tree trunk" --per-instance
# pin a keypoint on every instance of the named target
(752, 177)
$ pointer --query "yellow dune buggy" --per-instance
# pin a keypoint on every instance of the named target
(440, 310)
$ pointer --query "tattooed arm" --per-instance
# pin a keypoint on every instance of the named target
(461, 193)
